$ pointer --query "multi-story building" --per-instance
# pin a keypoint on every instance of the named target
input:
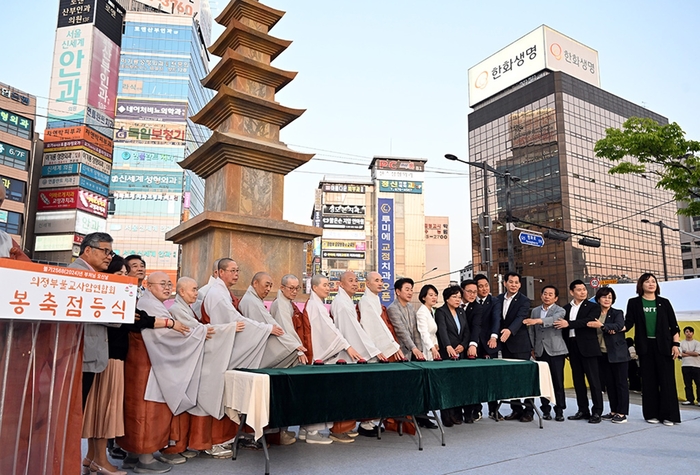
(163, 61)
(538, 113)
(689, 228)
(379, 224)
(18, 153)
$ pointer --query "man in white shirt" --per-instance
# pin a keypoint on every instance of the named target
(690, 366)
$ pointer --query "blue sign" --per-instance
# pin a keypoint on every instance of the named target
(385, 249)
(94, 187)
(94, 174)
(531, 239)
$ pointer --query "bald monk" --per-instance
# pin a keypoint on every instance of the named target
(345, 318)
(375, 321)
(201, 292)
(148, 425)
(290, 318)
(218, 356)
(281, 351)
(329, 346)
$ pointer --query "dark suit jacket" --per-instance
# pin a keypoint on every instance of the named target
(519, 310)
(473, 311)
(666, 325)
(586, 337)
(615, 344)
(447, 332)
(489, 326)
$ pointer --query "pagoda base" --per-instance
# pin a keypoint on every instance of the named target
(256, 244)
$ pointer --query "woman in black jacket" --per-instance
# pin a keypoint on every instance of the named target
(613, 361)
(657, 342)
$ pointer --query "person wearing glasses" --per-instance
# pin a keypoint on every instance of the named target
(95, 255)
(290, 318)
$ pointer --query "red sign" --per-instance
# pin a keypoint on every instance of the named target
(595, 283)
(72, 198)
(104, 74)
(405, 165)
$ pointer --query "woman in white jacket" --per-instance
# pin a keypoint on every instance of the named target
(425, 319)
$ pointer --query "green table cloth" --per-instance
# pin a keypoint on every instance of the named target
(310, 394)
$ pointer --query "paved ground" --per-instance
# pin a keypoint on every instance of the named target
(508, 447)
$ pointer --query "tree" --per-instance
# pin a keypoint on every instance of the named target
(659, 150)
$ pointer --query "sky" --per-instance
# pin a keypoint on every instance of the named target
(389, 77)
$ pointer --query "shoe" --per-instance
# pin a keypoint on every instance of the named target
(546, 416)
(468, 420)
(85, 468)
(153, 467)
(172, 459)
(96, 469)
(446, 422)
(697, 403)
(559, 418)
(317, 438)
(668, 423)
(189, 454)
(117, 453)
(477, 416)
(352, 433)
(286, 439)
(368, 432)
(129, 462)
(250, 444)
(513, 416)
(427, 423)
(302, 433)
(496, 416)
(578, 416)
(608, 417)
(457, 420)
(594, 419)
(619, 419)
(687, 403)
(342, 438)
(653, 420)
(220, 452)
(527, 418)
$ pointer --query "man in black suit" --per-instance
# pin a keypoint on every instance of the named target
(490, 326)
(512, 308)
(473, 311)
(584, 350)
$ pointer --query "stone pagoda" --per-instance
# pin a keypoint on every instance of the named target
(244, 162)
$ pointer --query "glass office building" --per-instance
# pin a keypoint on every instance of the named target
(163, 61)
(543, 131)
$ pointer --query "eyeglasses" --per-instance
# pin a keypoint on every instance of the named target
(292, 289)
(470, 291)
(107, 251)
(235, 271)
(164, 284)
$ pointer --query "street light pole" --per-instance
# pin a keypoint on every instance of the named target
(487, 224)
(661, 226)
(509, 224)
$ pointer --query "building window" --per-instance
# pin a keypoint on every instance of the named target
(685, 247)
(15, 124)
(696, 223)
(14, 157)
(11, 222)
(697, 262)
(687, 264)
(14, 189)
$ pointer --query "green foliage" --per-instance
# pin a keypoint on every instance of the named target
(643, 146)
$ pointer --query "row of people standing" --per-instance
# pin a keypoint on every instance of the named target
(590, 333)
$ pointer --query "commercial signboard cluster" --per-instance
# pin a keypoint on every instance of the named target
(74, 187)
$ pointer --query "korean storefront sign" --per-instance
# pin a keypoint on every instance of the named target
(385, 248)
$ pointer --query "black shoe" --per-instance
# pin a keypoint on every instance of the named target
(468, 420)
(427, 423)
(607, 417)
(595, 419)
(526, 418)
(456, 420)
(445, 422)
(368, 432)
(513, 416)
(559, 418)
(115, 451)
(579, 415)
(547, 416)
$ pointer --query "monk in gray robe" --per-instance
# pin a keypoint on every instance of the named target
(281, 351)
(202, 292)
(371, 309)
(290, 318)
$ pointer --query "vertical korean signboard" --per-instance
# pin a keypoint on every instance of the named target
(385, 248)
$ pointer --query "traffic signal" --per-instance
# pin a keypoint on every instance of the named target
(556, 235)
(589, 242)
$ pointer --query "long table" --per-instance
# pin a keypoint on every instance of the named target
(311, 394)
